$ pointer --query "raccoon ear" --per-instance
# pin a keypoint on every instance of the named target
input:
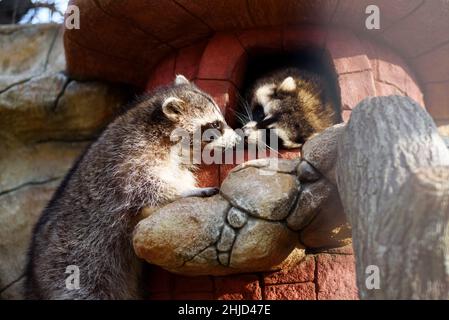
(288, 85)
(180, 79)
(172, 108)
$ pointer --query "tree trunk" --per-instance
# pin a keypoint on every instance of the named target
(395, 191)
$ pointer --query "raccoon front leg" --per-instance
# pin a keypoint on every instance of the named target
(200, 192)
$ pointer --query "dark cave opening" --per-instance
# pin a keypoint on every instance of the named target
(312, 59)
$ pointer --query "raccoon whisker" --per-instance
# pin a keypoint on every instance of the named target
(243, 118)
(240, 116)
(274, 150)
(248, 112)
(269, 148)
(240, 119)
(245, 105)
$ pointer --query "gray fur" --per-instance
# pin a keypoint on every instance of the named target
(89, 221)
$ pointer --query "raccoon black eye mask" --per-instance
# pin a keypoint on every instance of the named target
(292, 102)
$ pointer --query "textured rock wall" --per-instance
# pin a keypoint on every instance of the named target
(46, 121)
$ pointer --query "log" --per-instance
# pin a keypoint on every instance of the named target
(393, 180)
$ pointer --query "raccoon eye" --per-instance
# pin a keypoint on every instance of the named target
(216, 125)
(267, 121)
(258, 112)
(211, 134)
(212, 131)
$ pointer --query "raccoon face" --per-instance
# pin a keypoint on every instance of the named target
(196, 112)
(272, 105)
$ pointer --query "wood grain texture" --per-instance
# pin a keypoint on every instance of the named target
(392, 176)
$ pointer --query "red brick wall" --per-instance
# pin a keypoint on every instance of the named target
(318, 277)
(364, 68)
(124, 40)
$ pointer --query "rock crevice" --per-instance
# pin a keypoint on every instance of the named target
(46, 121)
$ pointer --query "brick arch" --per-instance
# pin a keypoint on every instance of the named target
(124, 40)
(364, 67)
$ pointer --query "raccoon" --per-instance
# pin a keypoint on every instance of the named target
(294, 103)
(90, 219)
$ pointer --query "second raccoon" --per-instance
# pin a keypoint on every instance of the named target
(294, 103)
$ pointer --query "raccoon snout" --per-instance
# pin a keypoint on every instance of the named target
(227, 140)
(249, 127)
(231, 138)
(252, 133)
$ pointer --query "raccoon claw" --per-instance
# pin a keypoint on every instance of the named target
(208, 192)
(200, 192)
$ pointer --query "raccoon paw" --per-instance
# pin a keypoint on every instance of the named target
(200, 192)
(208, 192)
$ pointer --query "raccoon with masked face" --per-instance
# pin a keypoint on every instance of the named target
(89, 222)
(294, 103)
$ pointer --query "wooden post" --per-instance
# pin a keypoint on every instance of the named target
(393, 181)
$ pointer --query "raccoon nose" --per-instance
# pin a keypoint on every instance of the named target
(237, 138)
(250, 126)
(234, 136)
